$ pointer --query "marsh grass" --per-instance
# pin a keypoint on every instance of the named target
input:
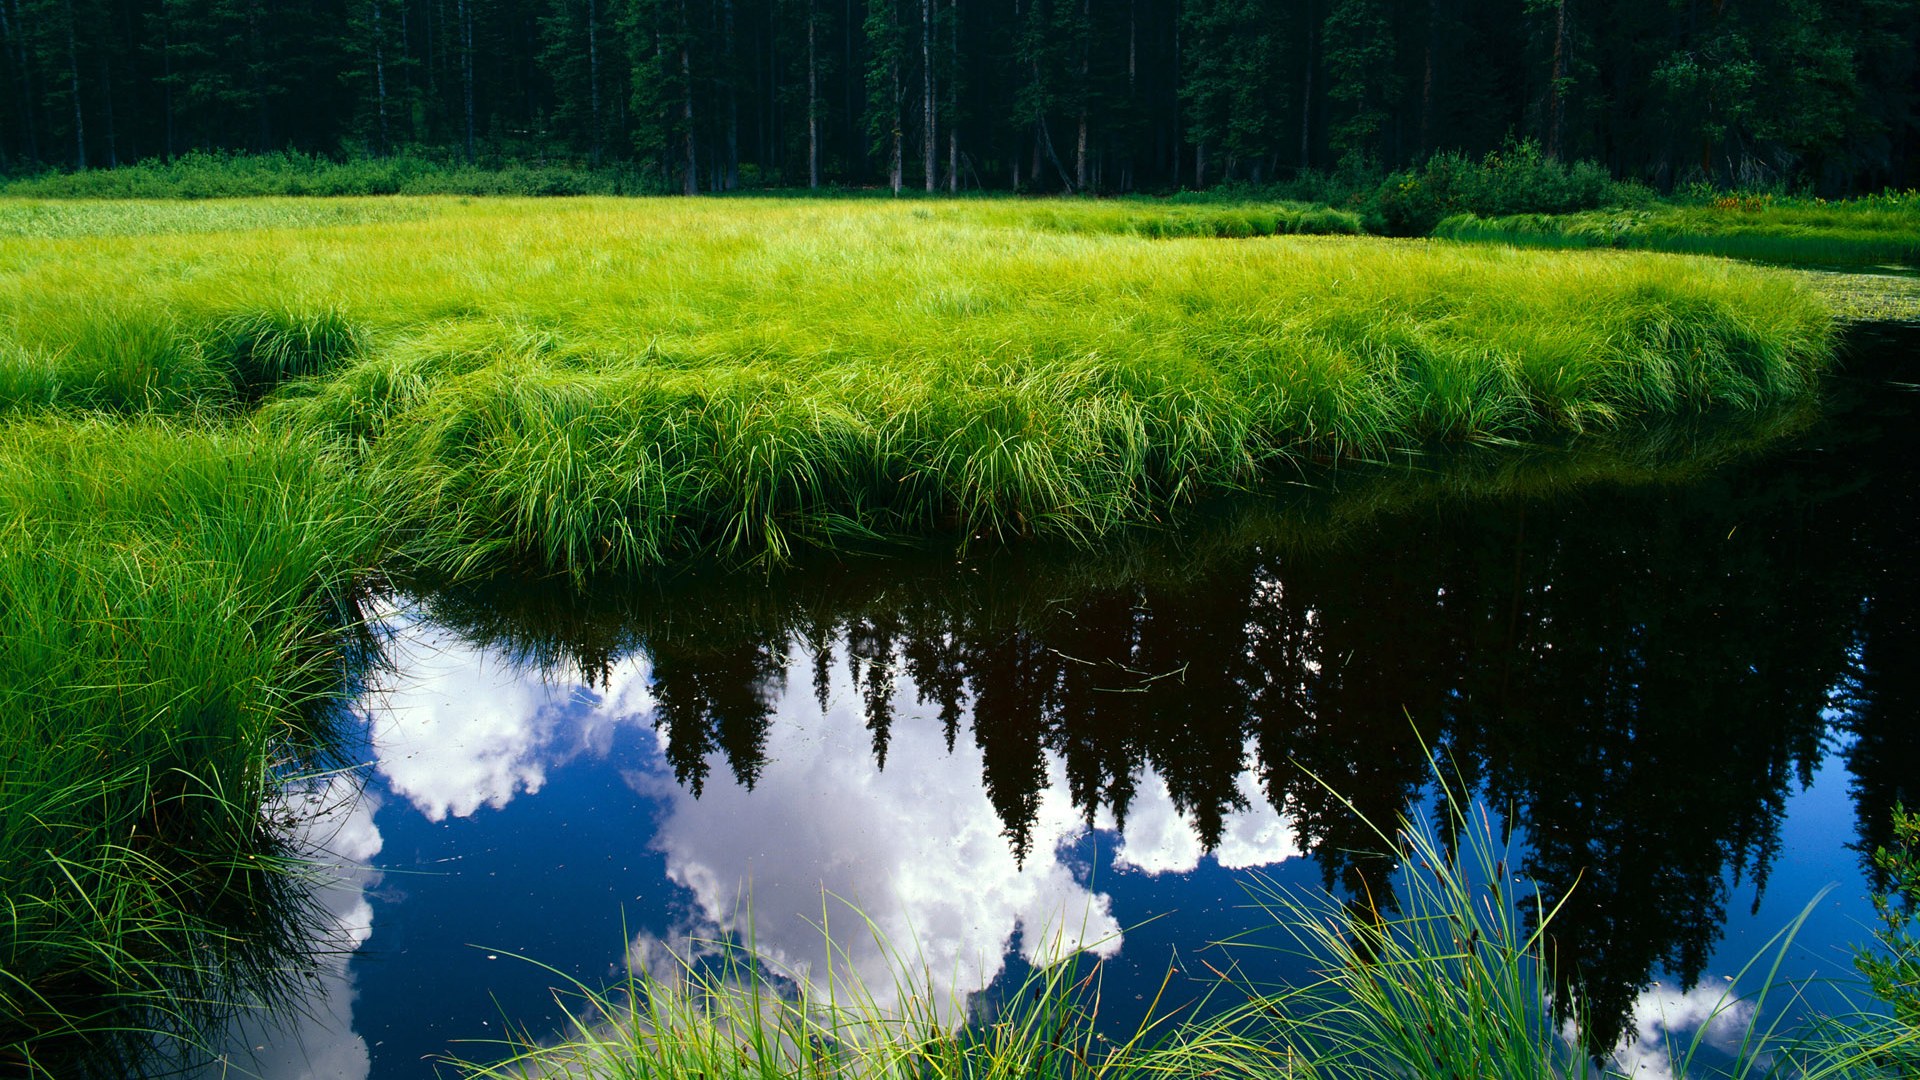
(171, 600)
(1859, 233)
(1159, 219)
(719, 1011)
(578, 385)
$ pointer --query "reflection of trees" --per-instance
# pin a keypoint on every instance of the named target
(1634, 672)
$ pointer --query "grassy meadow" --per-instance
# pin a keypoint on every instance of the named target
(599, 384)
(217, 417)
(1874, 231)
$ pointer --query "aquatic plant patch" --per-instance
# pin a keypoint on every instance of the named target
(169, 605)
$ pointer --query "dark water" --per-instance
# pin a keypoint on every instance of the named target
(1681, 665)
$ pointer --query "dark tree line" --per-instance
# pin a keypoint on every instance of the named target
(1050, 95)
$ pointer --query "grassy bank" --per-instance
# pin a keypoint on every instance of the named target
(1882, 230)
(584, 384)
(168, 596)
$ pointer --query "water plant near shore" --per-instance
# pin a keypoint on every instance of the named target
(170, 598)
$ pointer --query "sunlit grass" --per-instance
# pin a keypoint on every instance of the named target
(169, 598)
(584, 384)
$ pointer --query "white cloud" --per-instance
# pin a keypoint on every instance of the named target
(1664, 1023)
(333, 826)
(917, 851)
(460, 728)
(1159, 840)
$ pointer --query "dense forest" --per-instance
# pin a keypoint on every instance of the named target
(1045, 95)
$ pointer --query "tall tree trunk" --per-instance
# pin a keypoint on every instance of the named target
(1173, 145)
(1554, 102)
(813, 98)
(106, 113)
(928, 136)
(598, 144)
(73, 89)
(1306, 97)
(857, 149)
(730, 178)
(690, 179)
(406, 72)
(380, 73)
(1080, 143)
(953, 100)
(1426, 79)
(166, 71)
(1133, 79)
(25, 95)
(256, 77)
(466, 70)
(896, 166)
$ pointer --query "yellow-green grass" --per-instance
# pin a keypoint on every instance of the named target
(170, 600)
(577, 384)
(1864, 232)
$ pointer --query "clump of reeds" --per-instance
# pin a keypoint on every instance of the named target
(171, 602)
(719, 1011)
(1222, 220)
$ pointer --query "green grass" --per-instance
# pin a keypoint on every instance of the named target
(170, 598)
(1876, 231)
(571, 385)
(1161, 219)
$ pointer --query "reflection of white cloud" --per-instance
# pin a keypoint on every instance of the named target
(917, 850)
(1665, 1021)
(461, 727)
(1159, 840)
(333, 824)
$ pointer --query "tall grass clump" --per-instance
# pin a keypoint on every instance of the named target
(1873, 231)
(717, 1010)
(1160, 219)
(1454, 976)
(171, 600)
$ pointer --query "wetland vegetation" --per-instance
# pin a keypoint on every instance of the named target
(220, 418)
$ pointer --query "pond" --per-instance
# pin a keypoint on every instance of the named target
(1680, 665)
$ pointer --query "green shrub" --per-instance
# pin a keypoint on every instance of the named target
(1513, 180)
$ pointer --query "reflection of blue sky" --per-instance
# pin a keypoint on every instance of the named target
(530, 813)
(457, 728)
(334, 828)
(463, 738)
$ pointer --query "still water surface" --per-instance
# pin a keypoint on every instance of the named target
(1681, 666)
